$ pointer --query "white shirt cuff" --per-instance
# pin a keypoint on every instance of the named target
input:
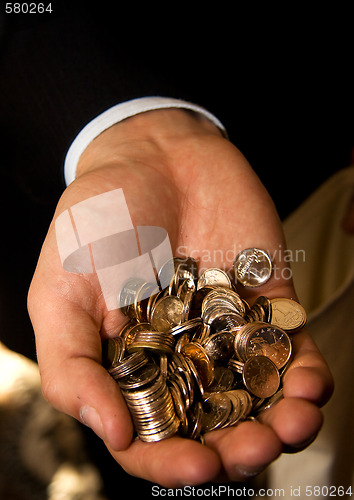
(119, 113)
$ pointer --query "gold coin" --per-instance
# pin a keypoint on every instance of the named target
(167, 313)
(261, 376)
(201, 360)
(270, 341)
(195, 421)
(112, 351)
(287, 314)
(216, 409)
(220, 346)
(236, 408)
(131, 329)
(140, 377)
(223, 379)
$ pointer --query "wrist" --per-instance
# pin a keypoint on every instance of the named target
(145, 137)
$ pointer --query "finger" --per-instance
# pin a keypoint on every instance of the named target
(173, 462)
(295, 421)
(245, 450)
(308, 376)
(69, 357)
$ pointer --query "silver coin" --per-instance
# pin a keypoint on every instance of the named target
(160, 342)
(186, 326)
(253, 267)
(194, 375)
(188, 265)
(128, 293)
(214, 276)
(168, 431)
(182, 386)
(223, 297)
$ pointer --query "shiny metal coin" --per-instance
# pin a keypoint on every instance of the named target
(223, 379)
(201, 360)
(194, 360)
(140, 377)
(287, 314)
(112, 351)
(212, 277)
(263, 339)
(216, 409)
(261, 376)
(253, 267)
(219, 346)
(167, 313)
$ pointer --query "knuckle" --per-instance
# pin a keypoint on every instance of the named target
(49, 389)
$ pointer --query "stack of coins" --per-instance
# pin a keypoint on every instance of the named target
(195, 356)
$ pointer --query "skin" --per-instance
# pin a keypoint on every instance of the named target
(179, 173)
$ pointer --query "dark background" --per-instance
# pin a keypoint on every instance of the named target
(280, 82)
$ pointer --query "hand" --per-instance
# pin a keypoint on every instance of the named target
(176, 172)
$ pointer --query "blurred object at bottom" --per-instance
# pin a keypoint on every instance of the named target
(42, 451)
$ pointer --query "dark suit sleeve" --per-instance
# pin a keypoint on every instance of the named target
(59, 72)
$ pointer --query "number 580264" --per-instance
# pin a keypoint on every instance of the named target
(28, 8)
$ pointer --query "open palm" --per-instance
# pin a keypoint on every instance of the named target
(203, 192)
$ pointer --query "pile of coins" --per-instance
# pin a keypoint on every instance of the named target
(195, 356)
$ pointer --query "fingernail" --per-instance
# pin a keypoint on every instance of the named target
(90, 417)
(300, 446)
(244, 472)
